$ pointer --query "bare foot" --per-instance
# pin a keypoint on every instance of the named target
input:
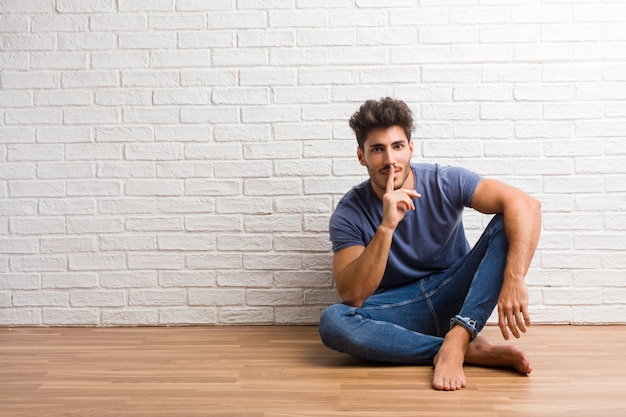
(481, 352)
(448, 374)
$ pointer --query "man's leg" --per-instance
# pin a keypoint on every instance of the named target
(479, 276)
(395, 326)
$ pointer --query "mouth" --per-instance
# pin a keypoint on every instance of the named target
(385, 172)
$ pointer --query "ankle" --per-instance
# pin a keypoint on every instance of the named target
(458, 334)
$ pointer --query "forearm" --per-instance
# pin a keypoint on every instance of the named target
(361, 277)
(522, 225)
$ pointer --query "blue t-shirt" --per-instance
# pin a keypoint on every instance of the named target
(429, 239)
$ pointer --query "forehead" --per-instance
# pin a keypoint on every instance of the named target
(385, 136)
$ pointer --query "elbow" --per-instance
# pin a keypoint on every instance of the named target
(352, 300)
(527, 204)
(535, 207)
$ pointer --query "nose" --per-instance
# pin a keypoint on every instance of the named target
(389, 157)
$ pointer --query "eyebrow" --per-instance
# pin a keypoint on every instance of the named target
(401, 141)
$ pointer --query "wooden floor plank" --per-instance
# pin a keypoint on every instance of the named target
(285, 371)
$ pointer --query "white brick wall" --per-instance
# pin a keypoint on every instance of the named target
(175, 162)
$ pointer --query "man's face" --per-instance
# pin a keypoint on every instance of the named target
(382, 148)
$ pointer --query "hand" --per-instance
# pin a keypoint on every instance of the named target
(513, 308)
(396, 202)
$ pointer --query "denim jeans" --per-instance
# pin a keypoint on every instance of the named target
(407, 324)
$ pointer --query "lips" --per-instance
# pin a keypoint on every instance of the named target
(386, 171)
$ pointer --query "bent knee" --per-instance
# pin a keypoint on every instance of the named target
(329, 327)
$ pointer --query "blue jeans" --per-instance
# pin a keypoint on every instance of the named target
(407, 324)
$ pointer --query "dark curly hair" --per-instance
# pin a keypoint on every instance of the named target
(384, 113)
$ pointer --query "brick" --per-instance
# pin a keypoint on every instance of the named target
(59, 23)
(19, 246)
(96, 262)
(305, 315)
(88, 6)
(127, 279)
(179, 59)
(154, 224)
(175, 22)
(241, 96)
(34, 117)
(199, 115)
(125, 206)
(20, 317)
(70, 317)
(154, 187)
(16, 99)
(184, 242)
(142, 78)
(272, 187)
(273, 223)
(543, 129)
(580, 296)
(159, 261)
(59, 60)
(185, 205)
(303, 279)
(69, 280)
(38, 263)
(317, 224)
(323, 296)
(325, 76)
(143, 5)
(187, 316)
(17, 61)
(68, 244)
(60, 98)
(274, 297)
(160, 297)
(251, 279)
(244, 243)
(246, 315)
(272, 261)
(29, 42)
(359, 18)
(216, 297)
(197, 187)
(17, 171)
(264, 77)
(182, 133)
(214, 261)
(260, 205)
(215, 223)
(129, 317)
(19, 281)
(187, 279)
(120, 60)
(134, 242)
(551, 92)
(302, 243)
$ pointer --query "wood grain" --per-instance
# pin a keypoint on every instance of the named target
(286, 372)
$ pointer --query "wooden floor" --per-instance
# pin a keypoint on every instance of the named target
(285, 371)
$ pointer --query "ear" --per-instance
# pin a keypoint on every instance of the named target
(360, 156)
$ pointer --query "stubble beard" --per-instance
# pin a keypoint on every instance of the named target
(382, 184)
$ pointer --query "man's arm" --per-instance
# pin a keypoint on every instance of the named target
(522, 223)
(358, 270)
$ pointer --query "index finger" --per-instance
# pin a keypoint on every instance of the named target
(390, 186)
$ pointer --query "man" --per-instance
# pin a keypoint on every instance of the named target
(412, 290)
